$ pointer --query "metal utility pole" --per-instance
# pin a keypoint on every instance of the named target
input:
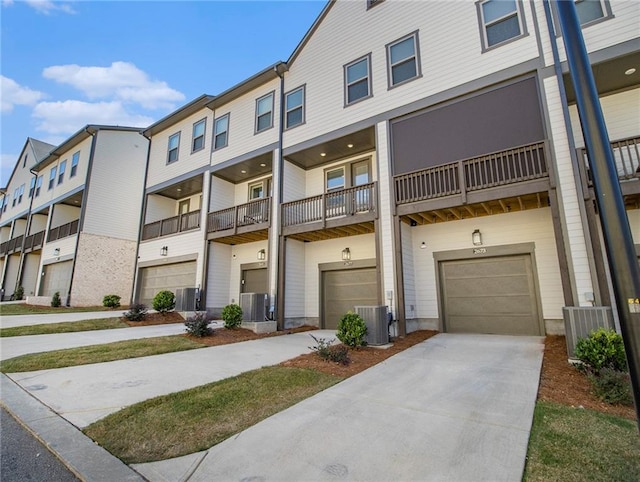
(623, 264)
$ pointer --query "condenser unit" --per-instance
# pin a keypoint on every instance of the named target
(580, 321)
(377, 323)
(254, 306)
(186, 299)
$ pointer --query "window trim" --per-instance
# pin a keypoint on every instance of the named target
(32, 187)
(484, 40)
(272, 95)
(38, 186)
(347, 169)
(416, 55)
(607, 14)
(345, 68)
(75, 159)
(20, 193)
(193, 135)
(216, 134)
(303, 87)
(373, 3)
(52, 177)
(61, 171)
(177, 148)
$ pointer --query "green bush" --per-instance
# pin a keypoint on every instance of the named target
(602, 349)
(232, 316)
(164, 301)
(55, 300)
(111, 301)
(329, 352)
(18, 294)
(612, 386)
(352, 330)
(198, 325)
(136, 312)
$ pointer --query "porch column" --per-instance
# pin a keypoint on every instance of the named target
(276, 264)
(202, 263)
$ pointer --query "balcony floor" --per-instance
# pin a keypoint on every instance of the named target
(335, 232)
(239, 238)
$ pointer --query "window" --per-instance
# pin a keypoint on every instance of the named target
(15, 197)
(220, 131)
(38, 185)
(335, 179)
(32, 187)
(402, 60)
(591, 10)
(24, 161)
(360, 173)
(20, 193)
(373, 3)
(294, 105)
(52, 177)
(264, 113)
(74, 164)
(63, 167)
(198, 135)
(501, 21)
(357, 80)
(183, 206)
(174, 144)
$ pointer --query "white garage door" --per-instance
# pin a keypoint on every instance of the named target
(167, 277)
(57, 277)
(490, 295)
(344, 290)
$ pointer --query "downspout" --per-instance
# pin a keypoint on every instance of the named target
(83, 210)
(280, 267)
(26, 231)
(143, 213)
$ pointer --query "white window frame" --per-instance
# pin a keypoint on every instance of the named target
(416, 59)
(484, 38)
(74, 164)
(270, 112)
(344, 178)
(301, 107)
(216, 134)
(366, 58)
(61, 171)
(176, 148)
(38, 186)
(32, 187)
(606, 12)
(20, 193)
(194, 137)
(52, 177)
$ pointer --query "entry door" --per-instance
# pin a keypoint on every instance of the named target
(342, 291)
(255, 281)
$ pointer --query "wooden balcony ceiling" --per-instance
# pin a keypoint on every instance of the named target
(250, 237)
(488, 208)
(334, 233)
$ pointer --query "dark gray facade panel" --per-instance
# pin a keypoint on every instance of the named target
(496, 120)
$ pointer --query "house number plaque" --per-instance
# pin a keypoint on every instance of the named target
(479, 250)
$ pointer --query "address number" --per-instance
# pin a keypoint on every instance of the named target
(479, 250)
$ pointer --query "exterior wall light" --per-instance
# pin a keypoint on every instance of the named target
(262, 255)
(56, 252)
(346, 254)
(476, 237)
(164, 251)
(423, 245)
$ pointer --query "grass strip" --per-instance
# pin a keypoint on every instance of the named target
(573, 444)
(65, 327)
(98, 353)
(23, 309)
(193, 420)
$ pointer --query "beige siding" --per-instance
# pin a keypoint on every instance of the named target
(218, 275)
(159, 207)
(31, 273)
(67, 247)
(11, 274)
(222, 194)
(63, 214)
(408, 266)
(295, 279)
(38, 223)
(634, 224)
(116, 187)
(21, 176)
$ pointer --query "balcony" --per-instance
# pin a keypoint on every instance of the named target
(240, 220)
(14, 245)
(332, 211)
(63, 231)
(33, 242)
(4, 248)
(175, 224)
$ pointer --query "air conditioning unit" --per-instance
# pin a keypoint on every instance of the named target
(377, 323)
(186, 299)
(254, 306)
(580, 321)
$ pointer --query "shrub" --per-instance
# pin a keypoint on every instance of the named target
(602, 349)
(352, 330)
(55, 300)
(136, 312)
(111, 301)
(232, 316)
(164, 301)
(612, 386)
(18, 294)
(198, 325)
(329, 352)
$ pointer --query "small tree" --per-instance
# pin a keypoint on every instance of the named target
(55, 300)
(198, 325)
(232, 316)
(352, 330)
(602, 349)
(111, 301)
(18, 293)
(164, 301)
(136, 312)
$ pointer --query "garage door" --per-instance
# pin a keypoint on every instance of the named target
(57, 277)
(167, 277)
(343, 290)
(490, 295)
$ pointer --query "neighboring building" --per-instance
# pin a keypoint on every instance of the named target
(77, 233)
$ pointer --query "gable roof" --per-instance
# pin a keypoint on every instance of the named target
(39, 149)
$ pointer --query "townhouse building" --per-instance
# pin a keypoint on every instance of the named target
(76, 229)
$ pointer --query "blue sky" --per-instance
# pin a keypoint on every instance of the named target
(66, 64)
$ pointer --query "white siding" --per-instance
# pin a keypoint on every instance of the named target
(38, 223)
(63, 214)
(294, 182)
(116, 186)
(295, 278)
(159, 207)
(218, 275)
(242, 254)
(222, 194)
(241, 193)
(408, 271)
(178, 245)
(66, 245)
(30, 273)
(11, 275)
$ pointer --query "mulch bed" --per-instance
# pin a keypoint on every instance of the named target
(157, 319)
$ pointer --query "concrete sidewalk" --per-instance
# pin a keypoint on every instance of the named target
(38, 319)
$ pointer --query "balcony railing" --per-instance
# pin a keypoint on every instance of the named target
(346, 202)
(33, 241)
(4, 248)
(172, 225)
(15, 244)
(63, 231)
(521, 164)
(244, 215)
(626, 153)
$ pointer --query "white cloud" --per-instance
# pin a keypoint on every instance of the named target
(14, 94)
(67, 117)
(122, 81)
(48, 6)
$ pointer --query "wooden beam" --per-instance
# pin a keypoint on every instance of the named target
(471, 211)
(503, 206)
(487, 208)
(416, 217)
(427, 218)
(440, 215)
(522, 207)
(456, 214)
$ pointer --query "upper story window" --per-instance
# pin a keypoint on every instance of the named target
(335, 179)
(501, 21)
(74, 164)
(38, 185)
(24, 161)
(63, 167)
(197, 142)
(20, 194)
(592, 10)
(52, 177)
(294, 105)
(220, 132)
(32, 187)
(403, 63)
(174, 145)
(357, 80)
(264, 112)
(15, 197)
(260, 189)
(348, 175)
(373, 3)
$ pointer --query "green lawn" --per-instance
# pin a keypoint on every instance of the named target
(98, 353)
(196, 419)
(22, 309)
(66, 327)
(579, 445)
